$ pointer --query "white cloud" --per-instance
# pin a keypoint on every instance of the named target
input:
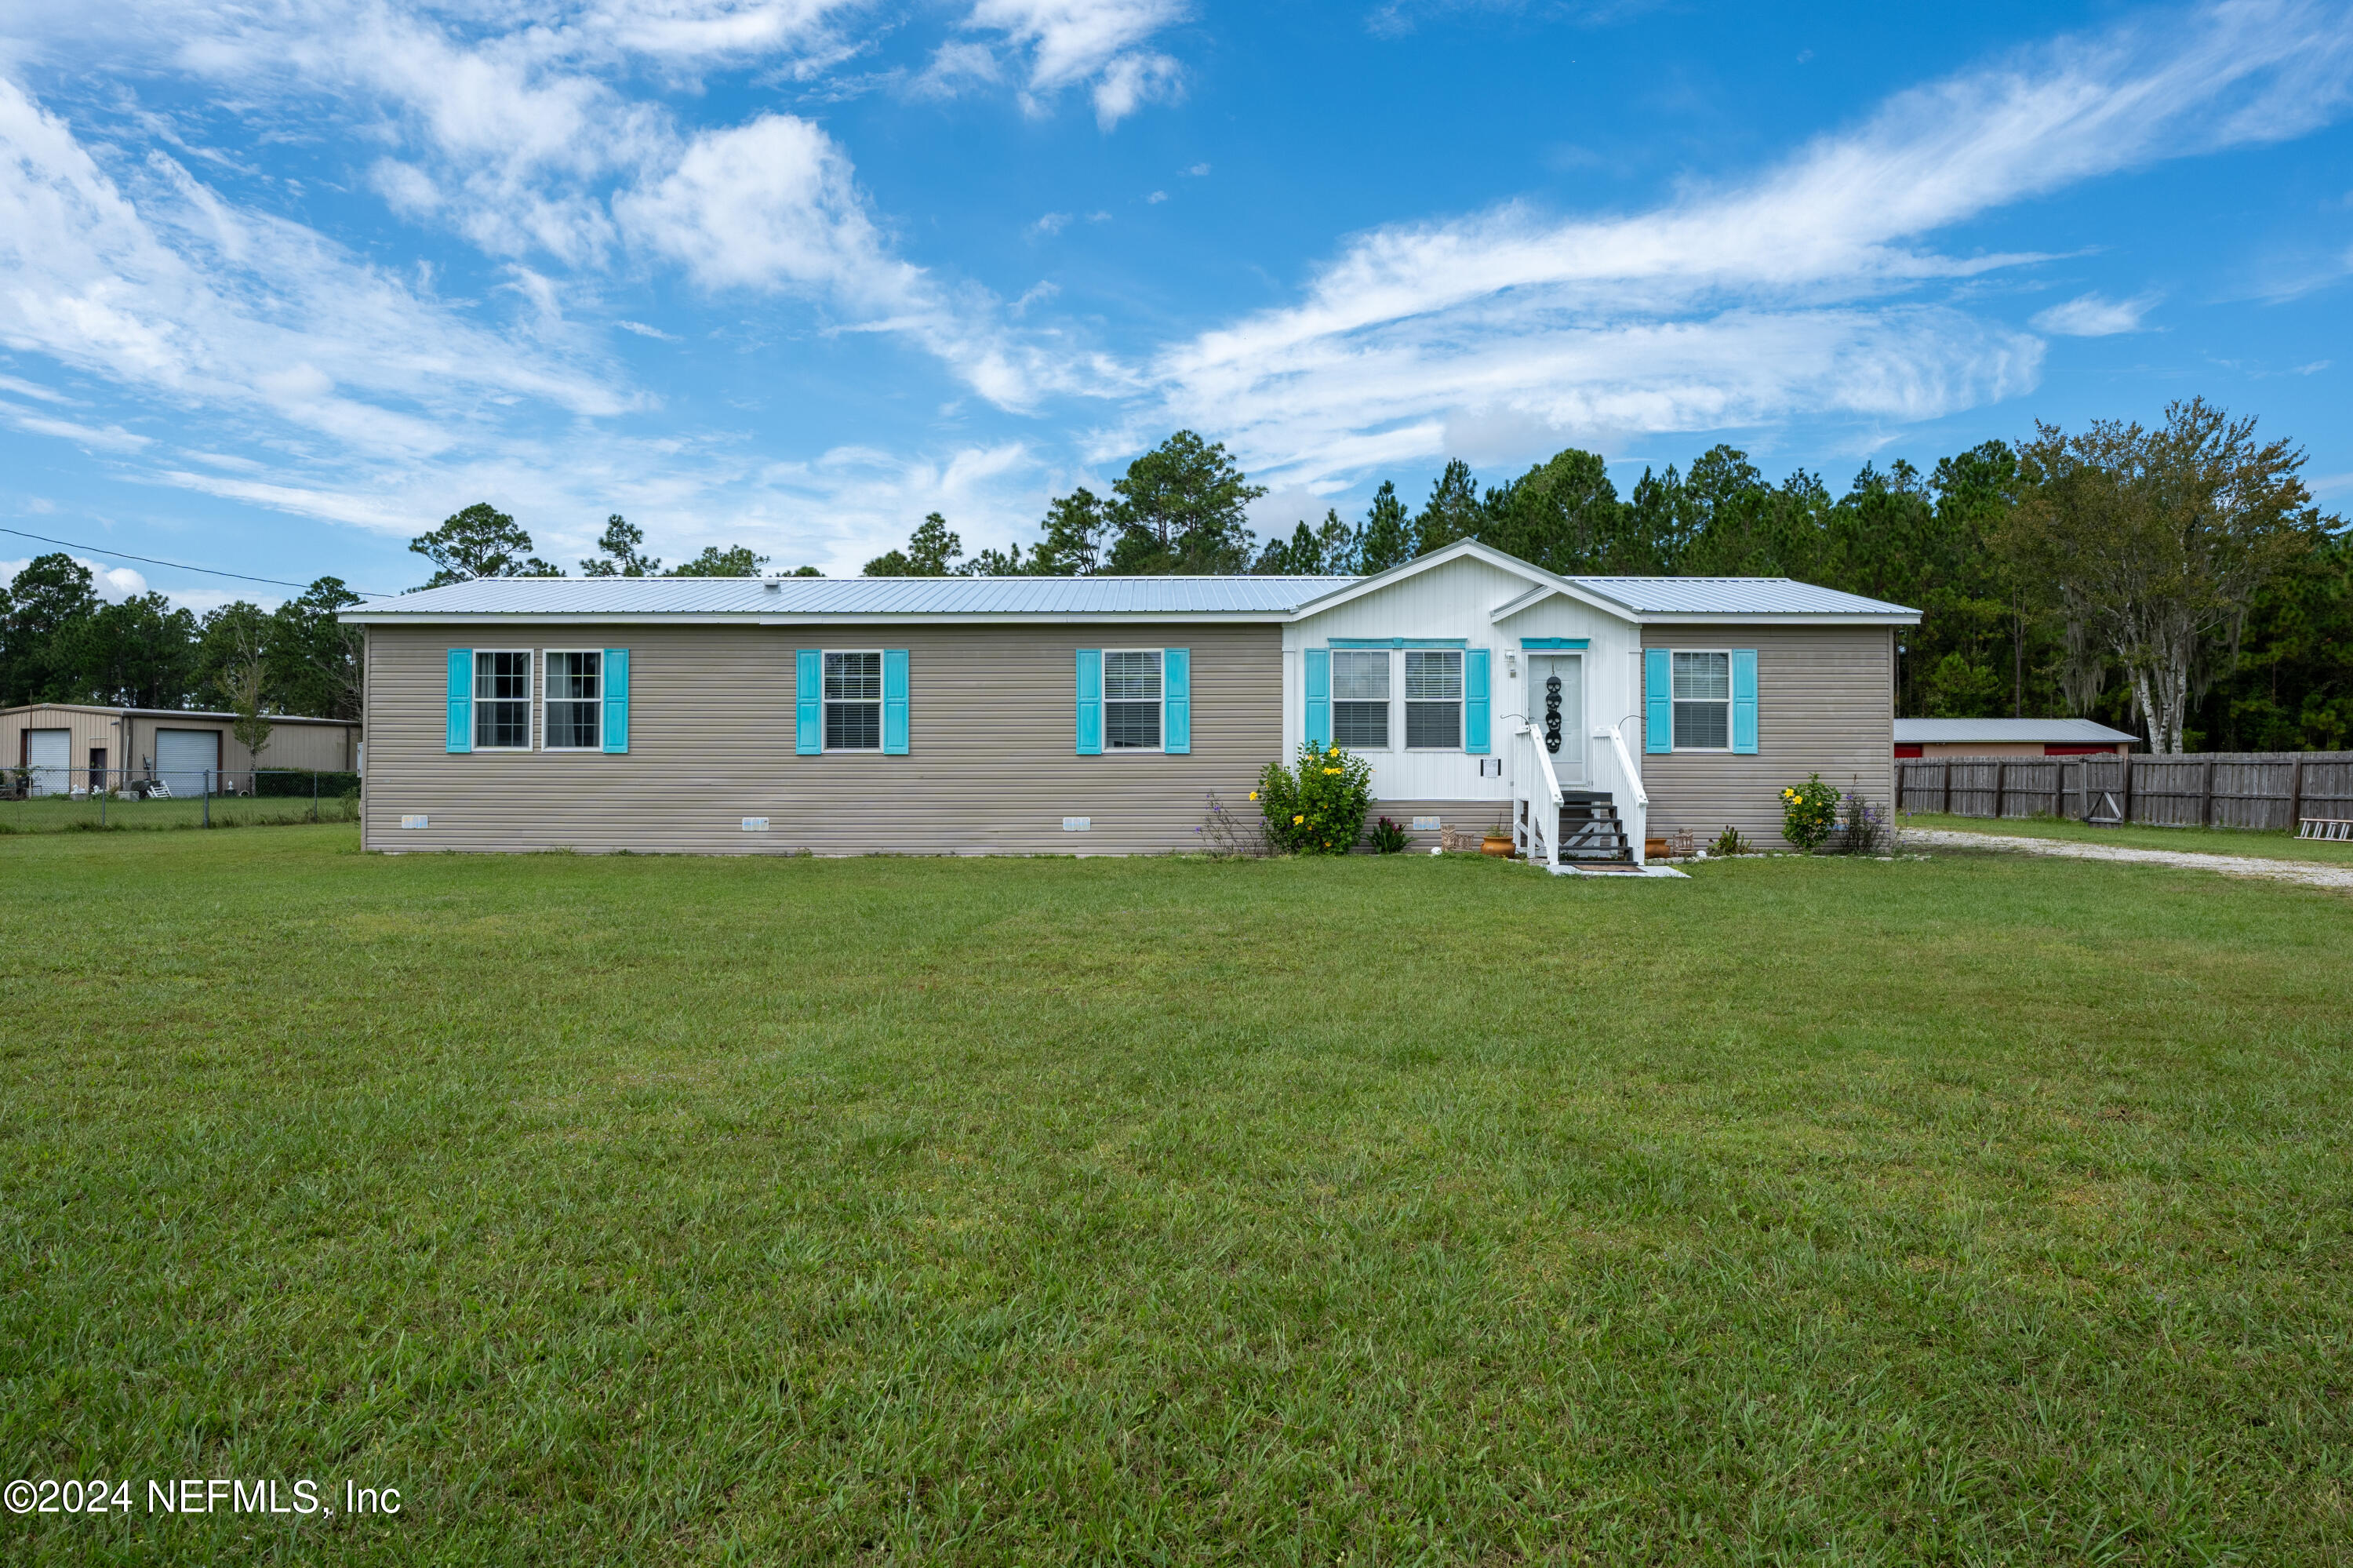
(28, 389)
(96, 438)
(642, 330)
(113, 583)
(1760, 301)
(1052, 223)
(1093, 42)
(179, 294)
(1155, 199)
(768, 204)
(2093, 315)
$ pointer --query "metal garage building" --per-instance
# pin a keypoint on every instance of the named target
(65, 747)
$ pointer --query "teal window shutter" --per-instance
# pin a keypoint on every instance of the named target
(616, 699)
(461, 699)
(895, 702)
(1176, 700)
(1476, 703)
(1319, 696)
(1744, 700)
(1090, 702)
(808, 700)
(1658, 700)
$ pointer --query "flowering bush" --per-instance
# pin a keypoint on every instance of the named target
(1862, 827)
(1316, 806)
(1809, 812)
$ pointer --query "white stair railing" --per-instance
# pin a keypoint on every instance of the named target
(1626, 789)
(1537, 800)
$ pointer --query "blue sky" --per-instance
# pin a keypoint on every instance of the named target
(284, 282)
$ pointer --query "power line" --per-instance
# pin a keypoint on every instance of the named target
(178, 566)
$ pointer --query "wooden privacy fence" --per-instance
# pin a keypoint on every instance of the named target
(2271, 790)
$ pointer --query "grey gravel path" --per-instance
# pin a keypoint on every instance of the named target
(2311, 874)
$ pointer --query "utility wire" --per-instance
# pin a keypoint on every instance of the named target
(179, 565)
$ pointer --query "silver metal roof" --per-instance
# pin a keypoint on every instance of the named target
(793, 597)
(1736, 596)
(2058, 731)
(1244, 598)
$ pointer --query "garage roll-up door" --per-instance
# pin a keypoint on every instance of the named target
(183, 757)
(48, 754)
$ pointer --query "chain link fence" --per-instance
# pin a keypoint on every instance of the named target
(104, 800)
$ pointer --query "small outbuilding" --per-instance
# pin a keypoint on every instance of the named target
(69, 747)
(2009, 738)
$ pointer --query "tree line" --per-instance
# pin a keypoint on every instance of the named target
(59, 642)
(2177, 579)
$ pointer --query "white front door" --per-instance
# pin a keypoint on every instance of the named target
(188, 760)
(1557, 707)
(48, 756)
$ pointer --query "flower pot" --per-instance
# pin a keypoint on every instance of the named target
(1497, 844)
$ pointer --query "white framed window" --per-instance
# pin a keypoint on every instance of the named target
(502, 699)
(572, 701)
(1433, 699)
(1132, 693)
(853, 701)
(1701, 692)
(1360, 699)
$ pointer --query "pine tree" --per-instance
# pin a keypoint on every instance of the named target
(1453, 512)
(479, 542)
(1386, 538)
(620, 558)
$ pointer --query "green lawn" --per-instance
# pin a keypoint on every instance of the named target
(65, 814)
(1413, 1210)
(2197, 840)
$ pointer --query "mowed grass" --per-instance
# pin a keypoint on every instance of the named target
(632, 1210)
(2248, 842)
(68, 814)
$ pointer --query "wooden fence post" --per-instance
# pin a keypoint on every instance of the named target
(2058, 789)
(1947, 766)
(2206, 796)
(2128, 800)
(2295, 794)
(2000, 788)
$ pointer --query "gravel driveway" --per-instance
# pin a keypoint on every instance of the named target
(2309, 872)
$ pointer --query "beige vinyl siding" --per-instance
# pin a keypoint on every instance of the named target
(1474, 816)
(1825, 703)
(991, 764)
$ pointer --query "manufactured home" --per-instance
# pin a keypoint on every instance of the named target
(1102, 715)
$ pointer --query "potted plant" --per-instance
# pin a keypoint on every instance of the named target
(1498, 842)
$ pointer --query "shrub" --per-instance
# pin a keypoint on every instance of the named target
(1318, 805)
(1226, 833)
(1729, 842)
(291, 781)
(1388, 837)
(1862, 827)
(1809, 812)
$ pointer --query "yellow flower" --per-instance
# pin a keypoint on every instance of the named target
(1296, 820)
(1253, 794)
